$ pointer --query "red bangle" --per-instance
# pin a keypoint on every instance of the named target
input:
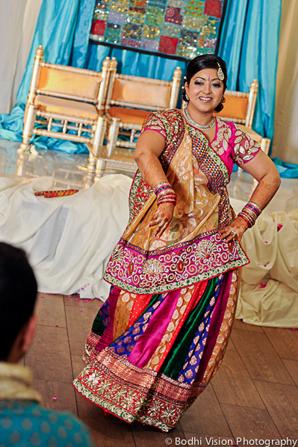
(246, 220)
(56, 193)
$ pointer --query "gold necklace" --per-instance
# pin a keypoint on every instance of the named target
(196, 125)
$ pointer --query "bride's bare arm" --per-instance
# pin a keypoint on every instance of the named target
(264, 171)
(148, 148)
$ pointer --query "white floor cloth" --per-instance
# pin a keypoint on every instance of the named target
(269, 288)
(69, 241)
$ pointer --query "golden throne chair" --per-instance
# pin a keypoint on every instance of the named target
(63, 99)
(239, 108)
(129, 100)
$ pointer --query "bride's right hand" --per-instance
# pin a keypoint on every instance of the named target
(162, 218)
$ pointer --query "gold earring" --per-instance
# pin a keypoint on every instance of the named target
(186, 97)
(220, 73)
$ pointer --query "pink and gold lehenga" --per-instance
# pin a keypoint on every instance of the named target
(162, 333)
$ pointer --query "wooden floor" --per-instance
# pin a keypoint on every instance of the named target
(254, 395)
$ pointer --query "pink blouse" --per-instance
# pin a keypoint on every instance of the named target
(230, 142)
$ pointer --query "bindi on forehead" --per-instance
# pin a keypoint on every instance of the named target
(205, 78)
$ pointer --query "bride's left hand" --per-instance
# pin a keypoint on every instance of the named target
(234, 230)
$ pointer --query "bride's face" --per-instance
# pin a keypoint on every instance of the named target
(205, 90)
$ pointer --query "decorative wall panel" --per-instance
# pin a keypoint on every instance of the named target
(176, 28)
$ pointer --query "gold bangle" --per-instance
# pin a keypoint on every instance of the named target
(161, 184)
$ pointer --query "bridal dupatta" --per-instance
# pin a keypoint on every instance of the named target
(190, 250)
(161, 335)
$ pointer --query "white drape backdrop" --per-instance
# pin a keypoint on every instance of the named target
(17, 25)
(285, 141)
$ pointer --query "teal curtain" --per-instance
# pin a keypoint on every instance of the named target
(249, 45)
(231, 39)
(62, 29)
(286, 170)
(58, 32)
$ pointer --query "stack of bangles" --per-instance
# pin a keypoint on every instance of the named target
(250, 213)
(165, 193)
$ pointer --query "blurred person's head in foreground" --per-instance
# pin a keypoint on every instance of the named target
(18, 291)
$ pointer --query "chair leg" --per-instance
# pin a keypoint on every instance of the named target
(28, 128)
(113, 136)
(21, 164)
(100, 168)
(96, 158)
(98, 138)
(90, 171)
